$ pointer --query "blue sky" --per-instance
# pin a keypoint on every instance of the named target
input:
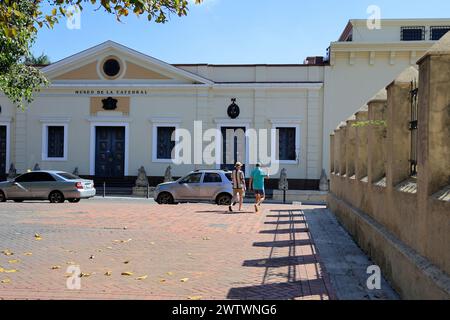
(231, 31)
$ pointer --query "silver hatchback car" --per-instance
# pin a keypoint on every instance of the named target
(197, 186)
(55, 186)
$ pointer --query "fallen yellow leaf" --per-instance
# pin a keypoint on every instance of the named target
(127, 273)
(56, 267)
(184, 280)
(37, 236)
(6, 281)
(110, 248)
(162, 280)
(10, 271)
(28, 253)
(170, 273)
(195, 298)
(108, 273)
(14, 261)
(142, 277)
(2, 270)
(206, 238)
(84, 275)
(126, 262)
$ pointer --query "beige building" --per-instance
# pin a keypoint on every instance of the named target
(110, 110)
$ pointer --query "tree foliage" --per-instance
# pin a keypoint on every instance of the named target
(21, 19)
(18, 81)
(41, 60)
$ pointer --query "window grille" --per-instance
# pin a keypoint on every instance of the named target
(413, 33)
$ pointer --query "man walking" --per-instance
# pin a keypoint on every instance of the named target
(238, 180)
(257, 184)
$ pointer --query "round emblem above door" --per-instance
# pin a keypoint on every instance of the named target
(233, 110)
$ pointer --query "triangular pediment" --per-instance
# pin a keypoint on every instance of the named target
(88, 66)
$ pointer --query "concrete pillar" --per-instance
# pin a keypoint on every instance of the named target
(434, 118)
(376, 153)
(398, 133)
(362, 159)
(351, 148)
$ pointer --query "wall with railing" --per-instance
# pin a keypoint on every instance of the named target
(390, 180)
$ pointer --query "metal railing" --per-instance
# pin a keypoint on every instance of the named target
(413, 125)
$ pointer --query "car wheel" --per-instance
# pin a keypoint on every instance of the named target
(223, 199)
(56, 197)
(165, 198)
(2, 196)
(74, 200)
(19, 201)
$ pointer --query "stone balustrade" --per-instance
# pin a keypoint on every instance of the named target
(401, 219)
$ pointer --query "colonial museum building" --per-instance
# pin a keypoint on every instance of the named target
(110, 110)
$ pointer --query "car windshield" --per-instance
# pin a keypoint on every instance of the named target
(68, 176)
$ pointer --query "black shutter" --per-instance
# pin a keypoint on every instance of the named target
(55, 142)
(286, 144)
(165, 145)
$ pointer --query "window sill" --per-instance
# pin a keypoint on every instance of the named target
(163, 160)
(286, 161)
(54, 159)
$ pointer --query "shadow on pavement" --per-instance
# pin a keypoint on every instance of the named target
(280, 244)
(279, 291)
(288, 273)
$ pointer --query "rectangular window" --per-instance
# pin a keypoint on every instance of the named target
(287, 144)
(438, 32)
(412, 33)
(55, 142)
(164, 143)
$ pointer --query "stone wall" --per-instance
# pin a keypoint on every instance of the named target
(400, 219)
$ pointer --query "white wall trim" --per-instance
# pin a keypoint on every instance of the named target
(126, 125)
(283, 121)
(54, 120)
(165, 120)
(44, 143)
(5, 119)
(273, 144)
(155, 127)
(7, 123)
(113, 119)
(232, 122)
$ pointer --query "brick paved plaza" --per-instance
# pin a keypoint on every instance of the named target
(188, 251)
